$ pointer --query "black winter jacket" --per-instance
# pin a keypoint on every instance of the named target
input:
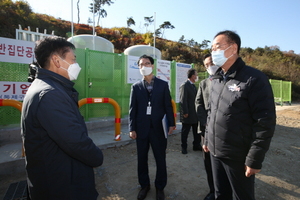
(59, 154)
(242, 115)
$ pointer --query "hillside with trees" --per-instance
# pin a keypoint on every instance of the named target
(274, 63)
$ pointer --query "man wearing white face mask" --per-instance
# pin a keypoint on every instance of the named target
(150, 101)
(241, 120)
(73, 70)
(201, 103)
(59, 154)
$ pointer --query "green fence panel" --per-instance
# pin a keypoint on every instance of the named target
(103, 76)
(287, 91)
(12, 72)
(277, 90)
(282, 91)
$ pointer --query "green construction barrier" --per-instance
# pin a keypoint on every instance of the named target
(104, 75)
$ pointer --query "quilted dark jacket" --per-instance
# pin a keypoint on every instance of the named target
(59, 154)
(242, 115)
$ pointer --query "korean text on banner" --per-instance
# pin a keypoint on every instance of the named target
(16, 51)
(181, 76)
(13, 90)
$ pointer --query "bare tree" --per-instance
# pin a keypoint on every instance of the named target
(149, 21)
(130, 22)
(182, 39)
(158, 32)
(97, 8)
(204, 44)
(166, 25)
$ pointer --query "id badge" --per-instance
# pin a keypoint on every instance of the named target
(148, 109)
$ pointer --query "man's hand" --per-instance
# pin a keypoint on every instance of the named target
(132, 135)
(249, 171)
(185, 115)
(171, 128)
(205, 148)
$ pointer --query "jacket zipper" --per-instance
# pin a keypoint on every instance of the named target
(216, 116)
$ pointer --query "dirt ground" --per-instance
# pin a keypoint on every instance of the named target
(279, 179)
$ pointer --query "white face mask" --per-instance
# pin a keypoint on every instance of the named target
(145, 71)
(73, 70)
(197, 78)
(219, 58)
(212, 69)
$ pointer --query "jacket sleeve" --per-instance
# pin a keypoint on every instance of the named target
(261, 101)
(207, 122)
(132, 110)
(57, 114)
(183, 95)
(168, 106)
(200, 106)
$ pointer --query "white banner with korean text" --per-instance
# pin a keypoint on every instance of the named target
(133, 72)
(16, 51)
(163, 70)
(13, 90)
(181, 77)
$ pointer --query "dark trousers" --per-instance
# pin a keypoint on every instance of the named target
(185, 132)
(208, 169)
(158, 144)
(229, 177)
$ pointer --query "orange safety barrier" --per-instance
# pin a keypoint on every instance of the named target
(11, 102)
(17, 105)
(116, 107)
(174, 111)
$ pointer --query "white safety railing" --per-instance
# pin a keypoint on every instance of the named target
(29, 35)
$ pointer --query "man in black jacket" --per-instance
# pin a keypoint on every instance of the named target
(241, 120)
(59, 154)
(188, 115)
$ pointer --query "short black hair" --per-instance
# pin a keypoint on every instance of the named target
(48, 46)
(191, 72)
(206, 56)
(148, 57)
(232, 37)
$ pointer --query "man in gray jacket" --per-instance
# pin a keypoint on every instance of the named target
(59, 154)
(201, 103)
(241, 120)
(188, 115)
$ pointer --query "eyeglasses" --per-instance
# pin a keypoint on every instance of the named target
(218, 46)
(144, 64)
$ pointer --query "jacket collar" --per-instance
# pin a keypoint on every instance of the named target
(44, 73)
(232, 72)
(143, 88)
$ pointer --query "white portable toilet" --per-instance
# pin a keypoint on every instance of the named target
(139, 50)
(92, 42)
